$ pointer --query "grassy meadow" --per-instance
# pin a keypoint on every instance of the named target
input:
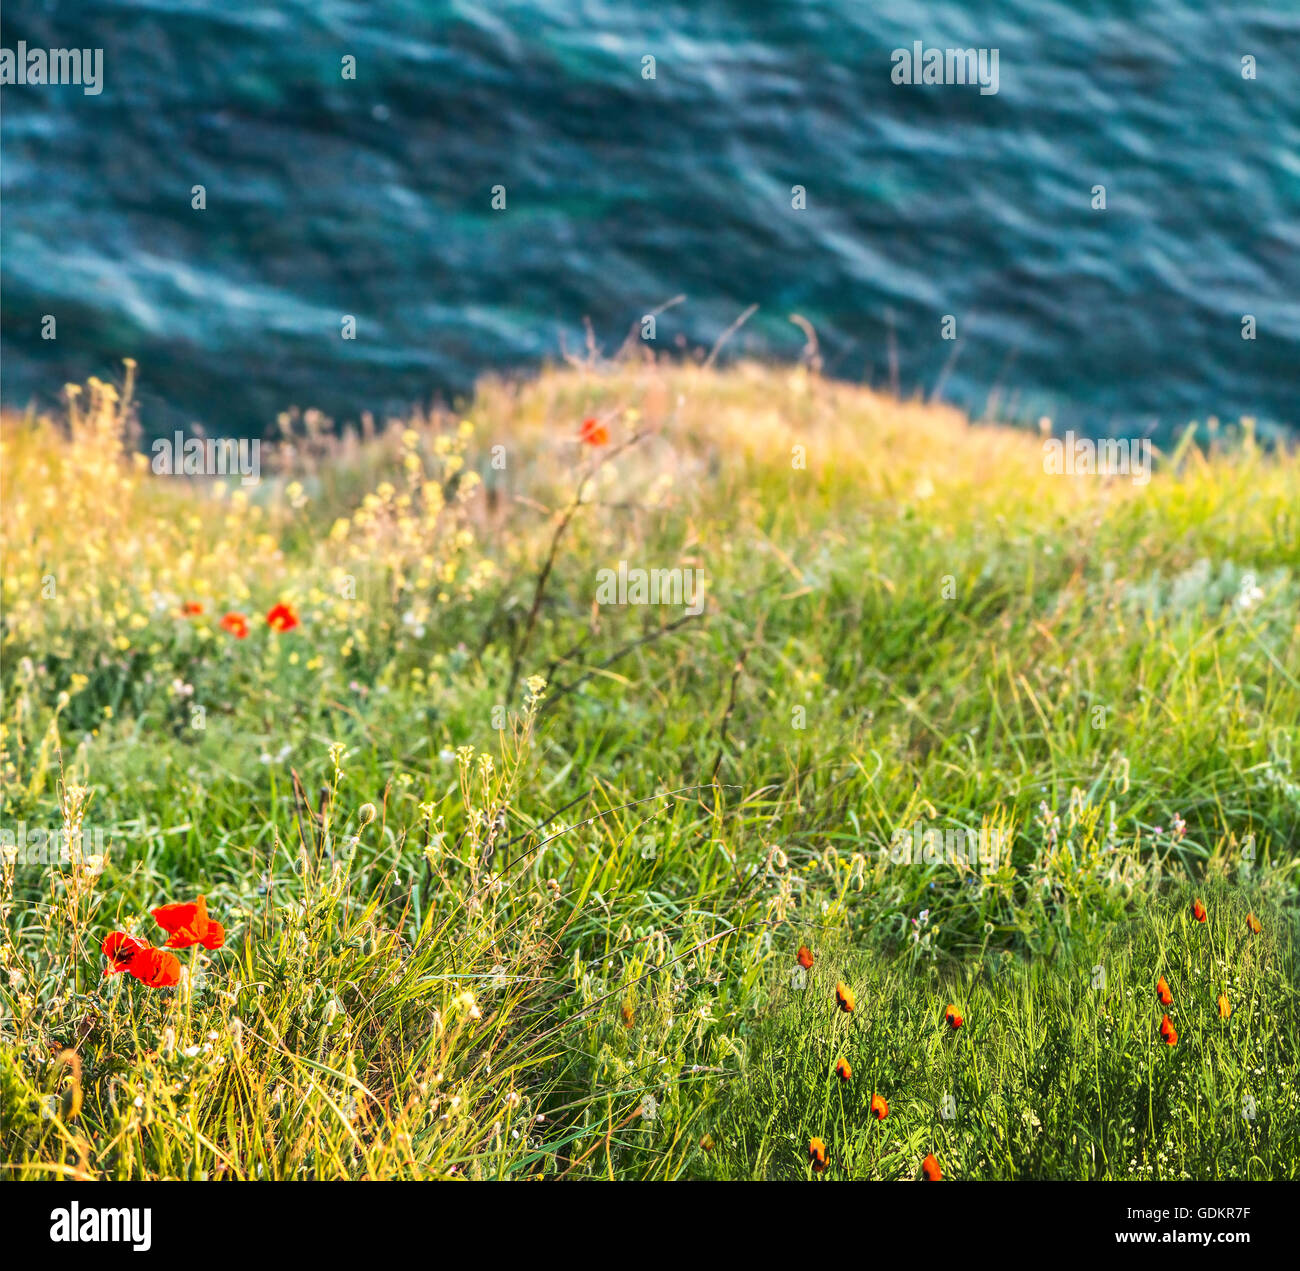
(514, 882)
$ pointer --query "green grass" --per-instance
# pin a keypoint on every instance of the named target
(562, 945)
(1057, 1071)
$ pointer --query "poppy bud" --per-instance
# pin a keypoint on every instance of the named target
(817, 1154)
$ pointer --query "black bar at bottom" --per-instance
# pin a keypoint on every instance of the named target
(227, 1221)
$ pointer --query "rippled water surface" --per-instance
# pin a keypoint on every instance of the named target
(372, 197)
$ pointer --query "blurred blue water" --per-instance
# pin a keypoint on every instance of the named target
(371, 197)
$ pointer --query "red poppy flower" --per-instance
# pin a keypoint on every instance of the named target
(593, 433)
(156, 967)
(120, 950)
(1168, 1031)
(817, 1154)
(879, 1108)
(188, 923)
(930, 1170)
(1253, 923)
(1163, 993)
(844, 996)
(1198, 911)
(804, 957)
(281, 617)
(629, 1015)
(842, 1070)
(954, 1018)
(192, 608)
(236, 624)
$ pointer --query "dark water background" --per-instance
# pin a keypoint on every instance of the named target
(372, 198)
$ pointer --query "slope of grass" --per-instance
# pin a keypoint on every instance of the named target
(480, 925)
